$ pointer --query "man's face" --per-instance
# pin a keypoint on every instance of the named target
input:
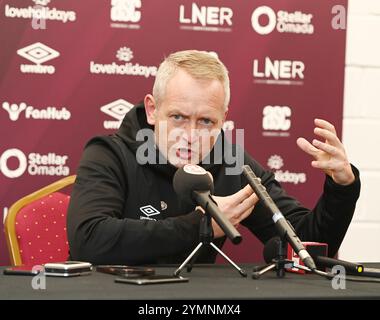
(188, 119)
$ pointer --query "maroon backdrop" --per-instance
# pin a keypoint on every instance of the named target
(75, 74)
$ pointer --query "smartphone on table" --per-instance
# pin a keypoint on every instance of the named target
(126, 271)
(67, 269)
(25, 270)
(155, 279)
(57, 269)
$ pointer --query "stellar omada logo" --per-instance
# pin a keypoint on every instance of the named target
(14, 163)
(265, 20)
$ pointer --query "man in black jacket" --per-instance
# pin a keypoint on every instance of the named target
(123, 208)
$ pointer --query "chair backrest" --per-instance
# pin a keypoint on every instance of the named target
(35, 226)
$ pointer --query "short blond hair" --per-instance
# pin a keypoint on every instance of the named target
(200, 65)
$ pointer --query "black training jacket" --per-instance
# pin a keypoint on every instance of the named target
(122, 212)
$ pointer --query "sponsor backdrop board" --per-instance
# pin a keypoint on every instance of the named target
(75, 73)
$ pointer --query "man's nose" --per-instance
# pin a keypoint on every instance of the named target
(192, 134)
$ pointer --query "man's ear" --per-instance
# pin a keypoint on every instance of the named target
(150, 109)
(225, 115)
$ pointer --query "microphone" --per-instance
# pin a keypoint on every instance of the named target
(284, 228)
(194, 185)
(273, 247)
(327, 262)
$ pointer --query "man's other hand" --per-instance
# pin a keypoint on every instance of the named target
(330, 155)
(236, 207)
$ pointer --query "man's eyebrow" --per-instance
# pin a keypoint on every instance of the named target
(176, 110)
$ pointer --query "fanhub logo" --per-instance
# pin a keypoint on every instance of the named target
(276, 121)
(37, 53)
(14, 110)
(275, 162)
(125, 11)
(124, 54)
(39, 11)
(205, 18)
(36, 164)
(116, 109)
(284, 72)
(50, 113)
(284, 21)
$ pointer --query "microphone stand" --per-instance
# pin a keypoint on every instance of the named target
(206, 235)
(279, 263)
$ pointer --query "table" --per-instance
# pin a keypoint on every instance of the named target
(210, 282)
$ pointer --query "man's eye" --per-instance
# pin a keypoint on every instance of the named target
(177, 117)
(206, 122)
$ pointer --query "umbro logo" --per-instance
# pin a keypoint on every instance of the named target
(116, 109)
(149, 211)
(38, 53)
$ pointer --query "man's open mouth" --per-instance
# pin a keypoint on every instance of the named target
(184, 153)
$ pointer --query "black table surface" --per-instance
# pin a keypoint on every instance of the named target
(211, 282)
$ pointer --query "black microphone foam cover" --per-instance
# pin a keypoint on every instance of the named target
(271, 249)
(191, 178)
